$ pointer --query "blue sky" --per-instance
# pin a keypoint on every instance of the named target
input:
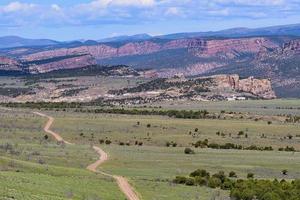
(95, 19)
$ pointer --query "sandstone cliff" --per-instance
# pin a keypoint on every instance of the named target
(228, 48)
(259, 87)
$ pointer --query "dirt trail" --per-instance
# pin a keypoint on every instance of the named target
(123, 184)
(47, 128)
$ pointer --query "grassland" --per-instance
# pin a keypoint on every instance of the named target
(123, 128)
(32, 168)
(263, 107)
(42, 169)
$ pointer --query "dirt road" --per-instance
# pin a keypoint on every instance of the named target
(123, 184)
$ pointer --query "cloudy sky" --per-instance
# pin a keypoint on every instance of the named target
(95, 19)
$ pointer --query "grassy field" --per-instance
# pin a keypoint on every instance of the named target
(32, 167)
(264, 107)
(123, 128)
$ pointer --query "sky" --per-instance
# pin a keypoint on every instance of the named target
(67, 20)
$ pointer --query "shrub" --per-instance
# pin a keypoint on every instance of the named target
(284, 172)
(188, 151)
(214, 146)
(190, 181)
(200, 173)
(108, 142)
(200, 181)
(101, 141)
(290, 137)
(241, 133)
(180, 180)
(214, 182)
(250, 175)
(228, 184)
(232, 174)
(220, 175)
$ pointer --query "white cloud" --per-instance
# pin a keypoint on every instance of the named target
(17, 7)
(173, 11)
(101, 4)
(253, 2)
(97, 12)
(56, 7)
(220, 12)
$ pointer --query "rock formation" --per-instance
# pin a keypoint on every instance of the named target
(259, 87)
(68, 63)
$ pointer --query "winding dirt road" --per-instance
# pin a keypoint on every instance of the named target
(123, 184)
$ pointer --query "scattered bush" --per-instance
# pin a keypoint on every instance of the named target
(241, 133)
(250, 175)
(200, 173)
(108, 142)
(188, 151)
(248, 189)
(232, 174)
(284, 172)
(101, 141)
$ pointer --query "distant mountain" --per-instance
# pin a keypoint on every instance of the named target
(291, 30)
(15, 41)
(126, 38)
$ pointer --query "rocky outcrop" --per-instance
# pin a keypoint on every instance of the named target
(230, 48)
(258, 87)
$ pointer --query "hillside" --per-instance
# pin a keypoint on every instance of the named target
(272, 57)
(15, 41)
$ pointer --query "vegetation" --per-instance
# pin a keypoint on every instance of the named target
(14, 92)
(163, 84)
(206, 144)
(244, 189)
(148, 136)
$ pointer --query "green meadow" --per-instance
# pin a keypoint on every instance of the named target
(34, 166)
